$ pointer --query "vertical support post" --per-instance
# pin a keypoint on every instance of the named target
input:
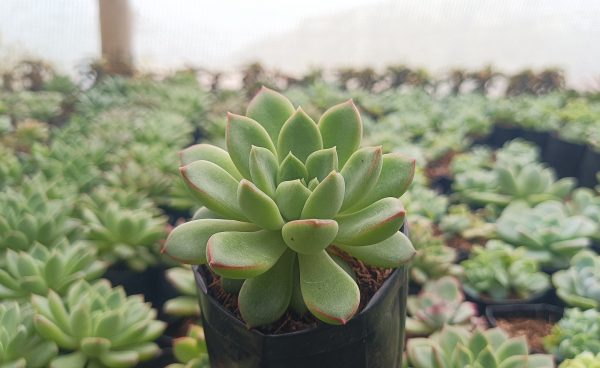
(116, 36)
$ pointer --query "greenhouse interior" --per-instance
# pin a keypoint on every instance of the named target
(339, 184)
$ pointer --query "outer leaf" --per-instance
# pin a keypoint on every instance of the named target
(258, 207)
(371, 225)
(326, 199)
(328, 291)
(208, 152)
(291, 168)
(243, 133)
(74, 360)
(513, 346)
(263, 169)
(187, 242)
(341, 127)
(361, 173)
(238, 255)
(271, 110)
(214, 186)
(309, 236)
(124, 358)
(264, 298)
(320, 163)
(291, 197)
(390, 253)
(52, 332)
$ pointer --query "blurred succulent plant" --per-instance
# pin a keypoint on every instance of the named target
(456, 347)
(185, 305)
(425, 202)
(287, 189)
(500, 272)
(517, 153)
(41, 269)
(579, 286)
(583, 360)
(433, 259)
(11, 171)
(574, 334)
(146, 179)
(100, 326)
(586, 203)
(121, 232)
(39, 105)
(548, 233)
(440, 303)
(476, 158)
(20, 344)
(190, 351)
(469, 224)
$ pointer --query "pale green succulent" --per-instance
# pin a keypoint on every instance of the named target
(574, 334)
(458, 348)
(579, 286)
(285, 190)
(586, 202)
(190, 350)
(40, 270)
(11, 171)
(98, 326)
(426, 202)
(583, 360)
(185, 305)
(440, 303)
(20, 344)
(470, 224)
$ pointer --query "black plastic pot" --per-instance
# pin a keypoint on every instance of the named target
(590, 165)
(539, 138)
(484, 302)
(374, 338)
(442, 184)
(565, 157)
(503, 133)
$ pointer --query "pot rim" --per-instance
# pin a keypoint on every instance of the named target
(480, 298)
(490, 310)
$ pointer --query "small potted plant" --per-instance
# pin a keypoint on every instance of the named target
(578, 331)
(298, 214)
(579, 285)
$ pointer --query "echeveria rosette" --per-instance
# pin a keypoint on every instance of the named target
(99, 326)
(190, 350)
(579, 286)
(574, 334)
(455, 347)
(583, 360)
(20, 344)
(285, 190)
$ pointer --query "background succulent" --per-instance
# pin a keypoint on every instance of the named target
(456, 347)
(185, 305)
(547, 231)
(440, 302)
(575, 333)
(20, 344)
(586, 202)
(583, 360)
(98, 325)
(300, 187)
(579, 286)
(190, 351)
(500, 272)
(461, 220)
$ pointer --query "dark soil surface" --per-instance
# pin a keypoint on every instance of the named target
(440, 168)
(533, 329)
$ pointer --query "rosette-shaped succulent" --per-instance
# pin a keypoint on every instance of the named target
(41, 269)
(583, 360)
(286, 190)
(576, 332)
(190, 351)
(20, 344)
(187, 303)
(100, 326)
(440, 303)
(579, 286)
(458, 348)
(586, 202)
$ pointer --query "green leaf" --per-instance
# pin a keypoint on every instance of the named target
(271, 110)
(391, 253)
(95, 346)
(397, 172)
(328, 291)
(477, 343)
(124, 358)
(214, 186)
(326, 199)
(513, 346)
(361, 173)
(263, 169)
(320, 163)
(50, 331)
(243, 133)
(299, 135)
(258, 207)
(264, 298)
(185, 349)
(187, 242)
(80, 320)
(208, 152)
(244, 255)
(59, 312)
(73, 360)
(291, 197)
(291, 169)
(372, 224)
(297, 302)
(309, 236)
(205, 213)
(341, 127)
(486, 358)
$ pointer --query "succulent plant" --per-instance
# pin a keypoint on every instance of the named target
(186, 304)
(285, 190)
(500, 272)
(440, 302)
(574, 334)
(586, 203)
(425, 202)
(477, 158)
(548, 233)
(11, 171)
(469, 224)
(98, 325)
(517, 153)
(20, 344)
(433, 259)
(190, 350)
(583, 360)
(41, 269)
(122, 232)
(579, 286)
(456, 348)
